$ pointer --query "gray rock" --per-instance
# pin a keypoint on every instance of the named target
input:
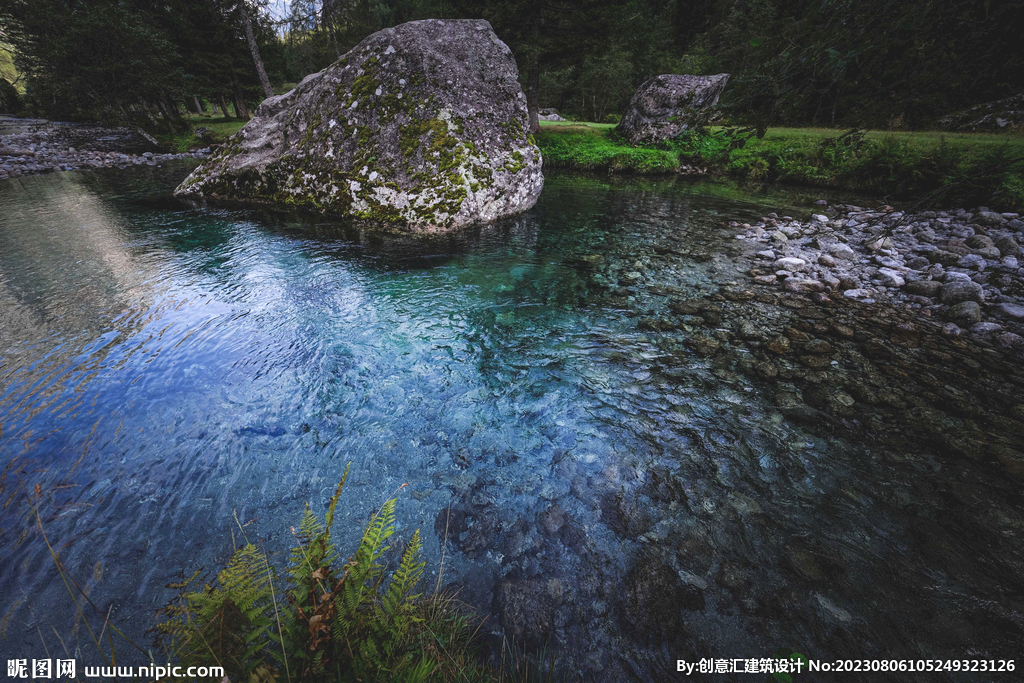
(842, 252)
(943, 257)
(803, 286)
(985, 328)
(789, 263)
(666, 105)
(988, 218)
(421, 127)
(951, 330)
(890, 277)
(827, 261)
(978, 241)
(958, 291)
(1007, 246)
(1011, 311)
(952, 275)
(927, 288)
(965, 313)
(971, 261)
(1009, 340)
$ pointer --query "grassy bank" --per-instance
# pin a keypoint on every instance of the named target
(944, 169)
(218, 129)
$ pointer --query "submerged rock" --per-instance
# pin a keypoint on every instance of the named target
(666, 105)
(422, 127)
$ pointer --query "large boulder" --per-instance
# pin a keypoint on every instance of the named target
(421, 127)
(666, 105)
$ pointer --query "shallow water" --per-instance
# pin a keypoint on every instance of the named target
(605, 491)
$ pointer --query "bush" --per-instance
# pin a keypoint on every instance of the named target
(612, 118)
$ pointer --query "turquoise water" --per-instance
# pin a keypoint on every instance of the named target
(166, 368)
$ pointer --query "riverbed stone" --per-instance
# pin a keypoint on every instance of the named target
(965, 313)
(929, 288)
(789, 263)
(552, 519)
(985, 328)
(666, 105)
(526, 609)
(988, 218)
(1007, 246)
(959, 290)
(890, 277)
(653, 601)
(803, 286)
(842, 252)
(420, 128)
(1008, 310)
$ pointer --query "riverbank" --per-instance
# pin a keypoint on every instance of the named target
(947, 170)
(958, 267)
(33, 146)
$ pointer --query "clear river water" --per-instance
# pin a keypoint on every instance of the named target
(611, 487)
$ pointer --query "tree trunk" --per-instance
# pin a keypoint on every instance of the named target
(327, 21)
(533, 95)
(199, 106)
(240, 108)
(224, 106)
(255, 50)
(169, 110)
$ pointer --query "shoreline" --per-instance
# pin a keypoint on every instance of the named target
(959, 268)
(38, 147)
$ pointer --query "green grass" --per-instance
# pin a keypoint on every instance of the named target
(220, 129)
(578, 124)
(593, 147)
(941, 168)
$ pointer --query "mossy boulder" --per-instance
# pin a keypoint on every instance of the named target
(666, 105)
(421, 127)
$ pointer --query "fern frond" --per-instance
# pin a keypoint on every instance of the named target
(358, 590)
(408, 574)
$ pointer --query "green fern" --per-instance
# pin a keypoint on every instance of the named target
(229, 623)
(405, 579)
(340, 622)
(363, 572)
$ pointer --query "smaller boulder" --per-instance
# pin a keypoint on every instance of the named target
(549, 115)
(666, 105)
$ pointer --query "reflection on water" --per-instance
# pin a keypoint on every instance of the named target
(604, 490)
